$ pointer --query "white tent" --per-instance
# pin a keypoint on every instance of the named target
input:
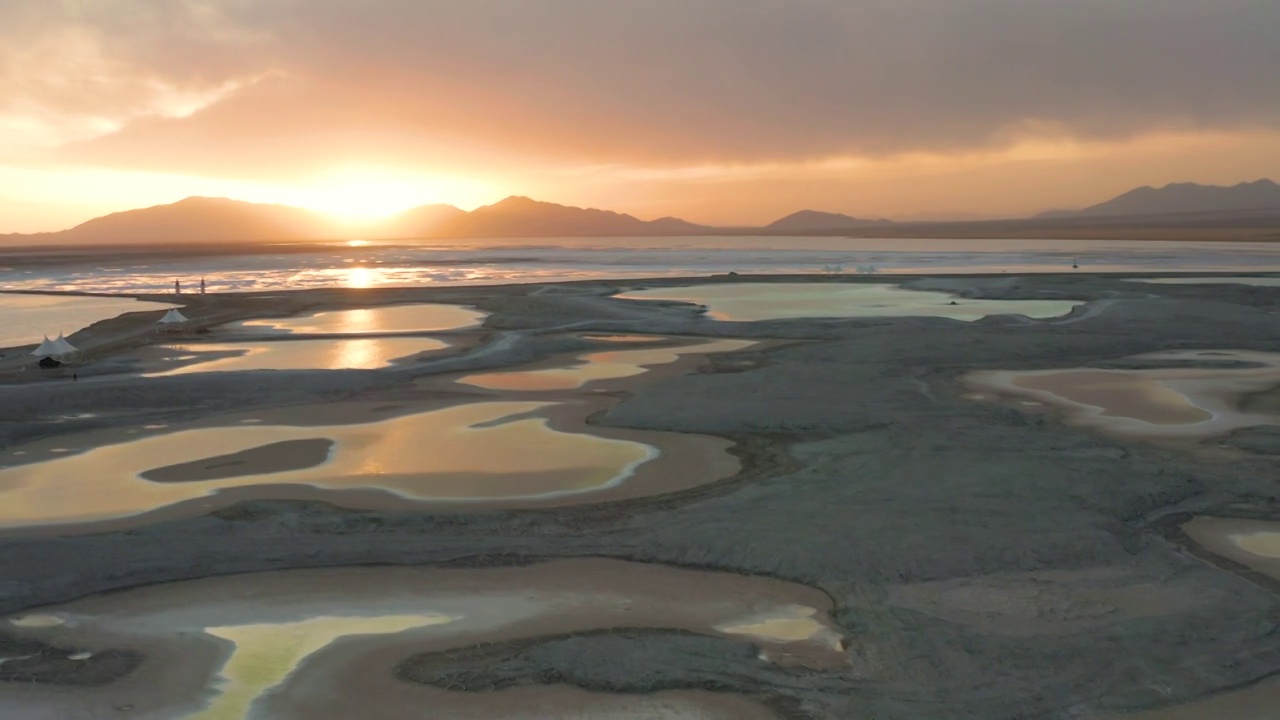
(65, 349)
(172, 320)
(46, 349)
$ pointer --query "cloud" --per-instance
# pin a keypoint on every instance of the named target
(654, 82)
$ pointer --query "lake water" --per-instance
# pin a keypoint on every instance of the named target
(557, 259)
(27, 318)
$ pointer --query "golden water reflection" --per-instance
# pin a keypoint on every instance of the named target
(353, 354)
(477, 451)
(419, 317)
(748, 302)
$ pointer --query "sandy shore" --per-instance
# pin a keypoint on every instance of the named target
(980, 556)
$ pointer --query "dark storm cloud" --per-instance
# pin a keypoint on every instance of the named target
(686, 80)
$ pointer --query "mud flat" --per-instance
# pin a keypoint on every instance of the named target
(983, 560)
(421, 317)
(1255, 702)
(746, 302)
(318, 643)
(1184, 394)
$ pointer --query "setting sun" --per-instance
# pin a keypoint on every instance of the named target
(365, 194)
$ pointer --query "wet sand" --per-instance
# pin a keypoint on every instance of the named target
(441, 456)
(1048, 603)
(1252, 543)
(1175, 401)
(291, 644)
(1251, 281)
(746, 302)
(422, 317)
(360, 354)
(1260, 701)
(594, 367)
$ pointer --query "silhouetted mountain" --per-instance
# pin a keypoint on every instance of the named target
(806, 220)
(1181, 198)
(519, 216)
(200, 219)
(218, 220)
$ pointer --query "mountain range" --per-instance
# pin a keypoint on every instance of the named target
(219, 220)
(1181, 198)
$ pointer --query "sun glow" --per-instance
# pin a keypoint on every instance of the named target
(364, 194)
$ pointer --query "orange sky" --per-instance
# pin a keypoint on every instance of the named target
(718, 111)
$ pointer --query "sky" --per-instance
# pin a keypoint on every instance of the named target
(731, 112)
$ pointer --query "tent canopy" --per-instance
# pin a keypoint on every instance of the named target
(173, 317)
(46, 349)
(64, 347)
(58, 348)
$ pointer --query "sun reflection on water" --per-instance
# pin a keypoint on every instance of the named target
(357, 354)
(361, 277)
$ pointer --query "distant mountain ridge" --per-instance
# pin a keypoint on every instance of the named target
(1180, 198)
(817, 220)
(219, 220)
(1253, 207)
(192, 220)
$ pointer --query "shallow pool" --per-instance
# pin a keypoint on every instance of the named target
(330, 643)
(332, 354)
(478, 451)
(773, 301)
(418, 317)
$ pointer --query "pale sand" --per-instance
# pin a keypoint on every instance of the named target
(358, 354)
(1252, 543)
(441, 456)
(1173, 402)
(422, 317)
(594, 367)
(771, 301)
(319, 643)
(1255, 281)
(1260, 701)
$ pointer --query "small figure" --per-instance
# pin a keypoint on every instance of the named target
(177, 287)
(201, 286)
(75, 377)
